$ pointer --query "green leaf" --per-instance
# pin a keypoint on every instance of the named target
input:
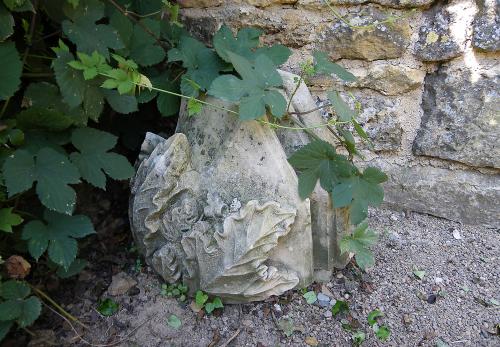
(5, 327)
(200, 298)
(310, 297)
(121, 103)
(12, 290)
(340, 307)
(358, 338)
(6, 28)
(58, 235)
(227, 87)
(74, 269)
(143, 47)
(74, 88)
(383, 332)
(194, 107)
(245, 44)
(30, 311)
(18, 5)
(253, 89)
(94, 159)
(19, 172)
(12, 67)
(174, 321)
(373, 315)
(342, 109)
(359, 192)
(86, 34)
(209, 307)
(359, 243)
(279, 54)
(10, 310)
(419, 274)
(360, 130)
(9, 219)
(167, 104)
(246, 40)
(107, 307)
(318, 160)
(324, 65)
(202, 64)
(217, 302)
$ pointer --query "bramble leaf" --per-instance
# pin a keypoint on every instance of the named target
(74, 88)
(340, 307)
(86, 34)
(30, 310)
(120, 103)
(324, 65)
(75, 268)
(9, 219)
(57, 235)
(12, 290)
(94, 157)
(12, 67)
(53, 173)
(5, 327)
(6, 24)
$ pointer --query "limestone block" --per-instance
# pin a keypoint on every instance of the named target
(461, 116)
(444, 32)
(284, 25)
(388, 79)
(316, 4)
(199, 3)
(382, 41)
(487, 26)
(436, 191)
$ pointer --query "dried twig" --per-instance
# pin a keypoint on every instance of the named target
(225, 344)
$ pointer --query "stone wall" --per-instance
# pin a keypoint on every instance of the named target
(428, 81)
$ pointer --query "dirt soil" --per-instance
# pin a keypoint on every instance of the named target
(455, 304)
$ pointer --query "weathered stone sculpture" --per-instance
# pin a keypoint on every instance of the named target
(217, 206)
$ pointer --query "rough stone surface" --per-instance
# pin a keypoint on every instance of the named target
(444, 36)
(315, 4)
(436, 191)
(386, 133)
(381, 41)
(389, 79)
(199, 3)
(120, 284)
(461, 117)
(204, 211)
(487, 26)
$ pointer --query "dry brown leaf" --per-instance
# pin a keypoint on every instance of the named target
(17, 267)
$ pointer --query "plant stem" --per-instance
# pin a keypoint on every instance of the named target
(37, 74)
(4, 107)
(301, 77)
(311, 111)
(141, 24)
(56, 305)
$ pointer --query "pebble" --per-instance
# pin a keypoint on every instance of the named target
(456, 234)
(394, 217)
(327, 314)
(438, 280)
(277, 307)
(323, 300)
(120, 284)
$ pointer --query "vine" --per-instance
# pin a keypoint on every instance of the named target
(83, 59)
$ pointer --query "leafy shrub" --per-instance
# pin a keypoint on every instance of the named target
(66, 63)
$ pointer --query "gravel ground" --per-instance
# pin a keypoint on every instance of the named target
(455, 304)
